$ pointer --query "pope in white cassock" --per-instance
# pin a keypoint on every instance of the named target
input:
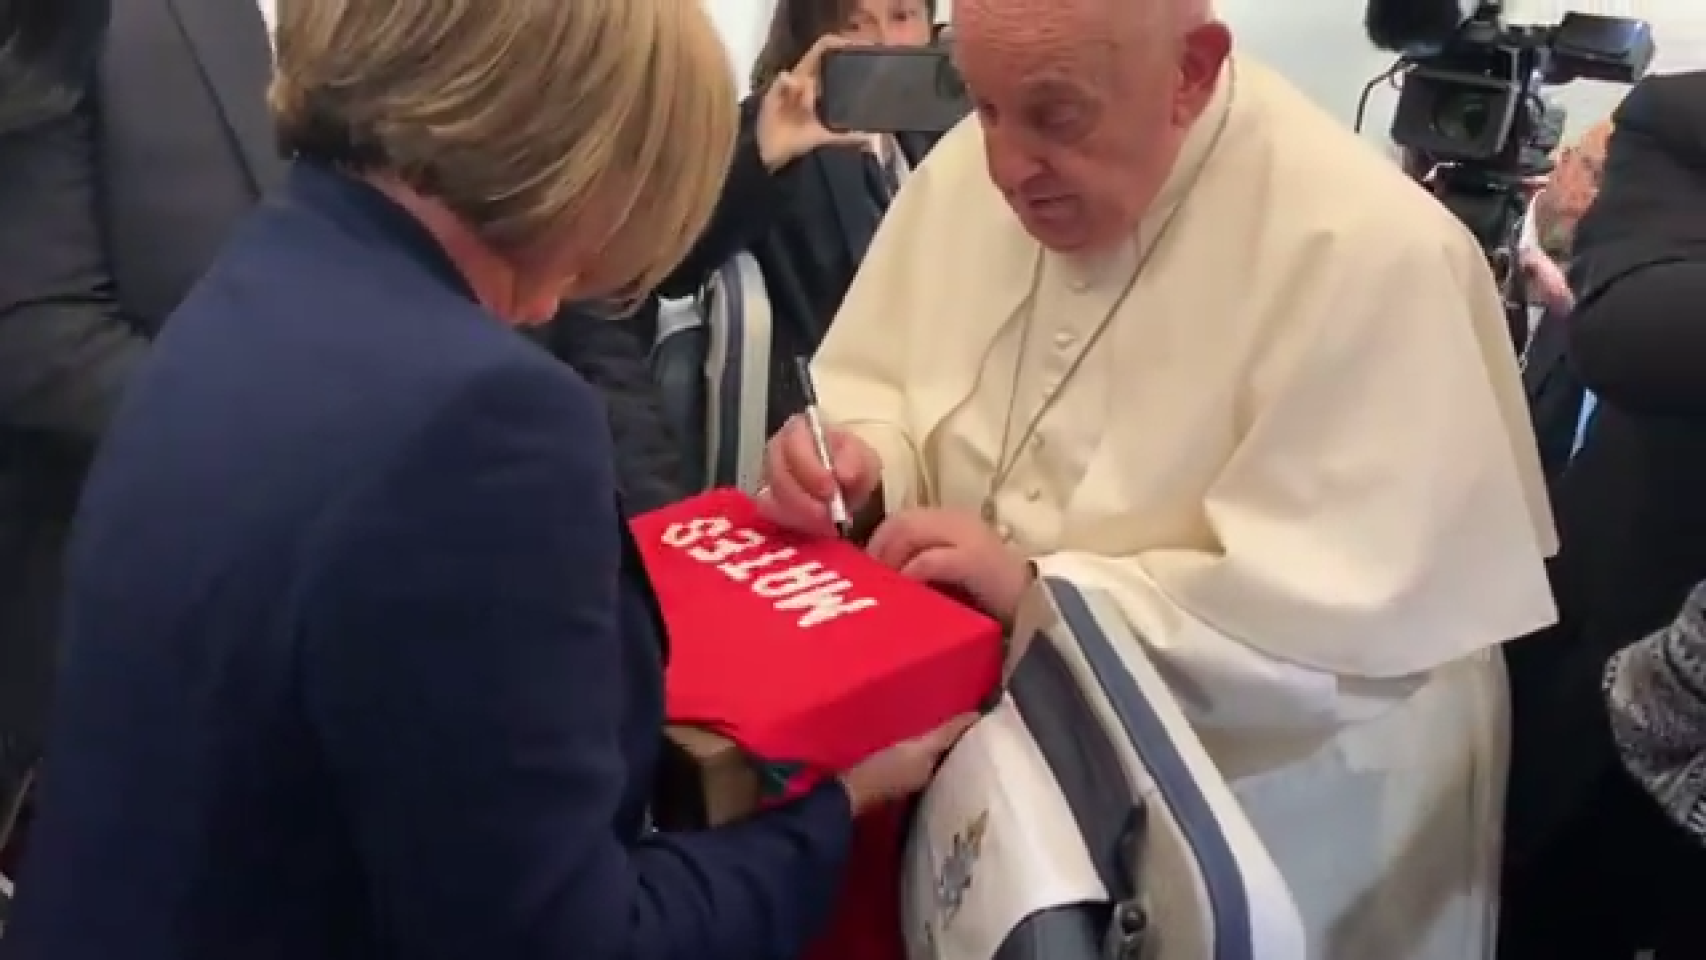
(1156, 323)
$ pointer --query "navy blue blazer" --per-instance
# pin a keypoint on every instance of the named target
(360, 660)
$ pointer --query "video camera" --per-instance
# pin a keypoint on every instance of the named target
(1472, 107)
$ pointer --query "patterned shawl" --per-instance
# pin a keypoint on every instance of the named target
(1656, 692)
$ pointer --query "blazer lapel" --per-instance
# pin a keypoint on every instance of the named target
(229, 41)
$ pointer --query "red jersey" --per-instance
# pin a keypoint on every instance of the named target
(811, 655)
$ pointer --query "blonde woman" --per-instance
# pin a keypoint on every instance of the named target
(359, 660)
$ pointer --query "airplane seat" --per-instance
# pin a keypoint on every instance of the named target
(711, 363)
(1083, 820)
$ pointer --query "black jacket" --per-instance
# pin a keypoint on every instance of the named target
(1631, 508)
(46, 49)
(808, 225)
(1554, 393)
(108, 215)
(611, 354)
(418, 624)
(56, 376)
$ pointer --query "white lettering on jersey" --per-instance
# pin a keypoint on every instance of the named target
(825, 603)
(740, 554)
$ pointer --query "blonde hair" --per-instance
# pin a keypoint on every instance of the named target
(525, 118)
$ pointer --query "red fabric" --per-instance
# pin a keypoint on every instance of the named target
(809, 652)
(866, 924)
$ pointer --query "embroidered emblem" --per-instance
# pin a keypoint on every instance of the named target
(955, 879)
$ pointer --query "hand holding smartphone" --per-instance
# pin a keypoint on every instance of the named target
(890, 90)
(788, 125)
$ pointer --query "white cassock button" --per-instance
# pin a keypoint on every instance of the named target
(1005, 532)
(1036, 442)
(1065, 338)
(1033, 494)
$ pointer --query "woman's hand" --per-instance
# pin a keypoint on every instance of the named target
(788, 127)
(903, 769)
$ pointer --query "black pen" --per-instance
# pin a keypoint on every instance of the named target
(814, 423)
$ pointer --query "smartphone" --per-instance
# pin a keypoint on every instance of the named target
(890, 90)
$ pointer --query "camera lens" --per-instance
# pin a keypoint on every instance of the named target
(1463, 115)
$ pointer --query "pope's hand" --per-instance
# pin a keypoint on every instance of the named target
(788, 127)
(798, 490)
(955, 549)
(903, 769)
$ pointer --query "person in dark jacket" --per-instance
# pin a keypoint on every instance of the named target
(361, 661)
(610, 352)
(46, 53)
(1556, 399)
(1596, 868)
(806, 201)
(109, 214)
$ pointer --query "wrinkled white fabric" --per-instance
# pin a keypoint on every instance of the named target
(1299, 457)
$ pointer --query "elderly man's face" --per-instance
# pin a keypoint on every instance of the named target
(1083, 109)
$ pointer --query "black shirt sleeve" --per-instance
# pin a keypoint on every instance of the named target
(66, 352)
